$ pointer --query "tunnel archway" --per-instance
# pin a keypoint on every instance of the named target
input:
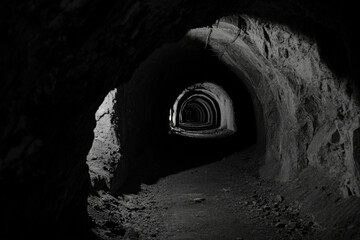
(224, 119)
(53, 72)
(273, 97)
(203, 110)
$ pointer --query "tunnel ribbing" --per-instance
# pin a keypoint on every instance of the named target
(211, 110)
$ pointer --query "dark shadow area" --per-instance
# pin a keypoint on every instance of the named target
(60, 58)
(143, 111)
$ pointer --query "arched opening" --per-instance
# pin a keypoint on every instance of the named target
(208, 103)
(185, 77)
(197, 112)
(298, 66)
(203, 110)
(211, 108)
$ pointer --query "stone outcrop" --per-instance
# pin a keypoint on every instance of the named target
(104, 155)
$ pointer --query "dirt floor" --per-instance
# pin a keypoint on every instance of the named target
(221, 200)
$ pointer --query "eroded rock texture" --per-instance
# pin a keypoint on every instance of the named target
(310, 113)
(59, 59)
(104, 155)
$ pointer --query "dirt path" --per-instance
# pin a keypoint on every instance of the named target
(222, 200)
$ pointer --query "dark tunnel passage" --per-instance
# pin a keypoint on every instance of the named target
(213, 120)
(197, 112)
(216, 111)
(203, 110)
(144, 104)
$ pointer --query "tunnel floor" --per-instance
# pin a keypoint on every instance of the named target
(221, 200)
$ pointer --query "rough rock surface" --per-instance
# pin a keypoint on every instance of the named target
(310, 114)
(104, 155)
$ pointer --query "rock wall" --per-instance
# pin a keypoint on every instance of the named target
(310, 112)
(104, 155)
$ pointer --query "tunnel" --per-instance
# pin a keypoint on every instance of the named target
(168, 81)
(179, 120)
(203, 110)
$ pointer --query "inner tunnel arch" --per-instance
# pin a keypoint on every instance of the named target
(211, 108)
(179, 74)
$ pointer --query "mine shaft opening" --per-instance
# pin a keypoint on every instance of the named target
(203, 110)
(136, 115)
(158, 82)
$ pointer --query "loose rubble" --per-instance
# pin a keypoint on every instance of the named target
(157, 211)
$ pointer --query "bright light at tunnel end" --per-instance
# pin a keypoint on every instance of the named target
(203, 110)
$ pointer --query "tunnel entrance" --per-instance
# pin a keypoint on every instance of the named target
(207, 101)
(299, 58)
(209, 126)
(212, 114)
(203, 110)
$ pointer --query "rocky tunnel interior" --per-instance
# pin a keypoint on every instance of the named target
(265, 144)
(143, 112)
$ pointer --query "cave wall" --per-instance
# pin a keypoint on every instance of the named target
(59, 59)
(325, 110)
(310, 112)
(104, 155)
